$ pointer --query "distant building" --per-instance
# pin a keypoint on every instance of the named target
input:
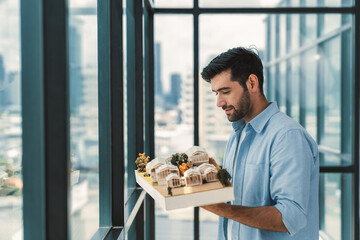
(2, 83)
(12, 89)
(186, 103)
(175, 90)
(214, 127)
(157, 69)
(2, 72)
(76, 77)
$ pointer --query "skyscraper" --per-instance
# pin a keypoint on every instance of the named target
(175, 90)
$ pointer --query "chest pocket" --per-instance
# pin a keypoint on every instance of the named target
(255, 184)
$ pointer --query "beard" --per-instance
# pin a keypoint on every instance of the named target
(240, 109)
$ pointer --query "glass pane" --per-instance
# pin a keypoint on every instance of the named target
(271, 3)
(281, 88)
(273, 37)
(272, 84)
(309, 29)
(347, 85)
(310, 60)
(215, 128)
(10, 122)
(318, 86)
(335, 205)
(332, 94)
(308, 3)
(331, 22)
(173, 3)
(294, 81)
(306, 81)
(174, 108)
(295, 31)
(243, 3)
(282, 33)
(329, 159)
(84, 120)
(209, 225)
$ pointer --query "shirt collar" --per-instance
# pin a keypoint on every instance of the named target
(259, 122)
(238, 125)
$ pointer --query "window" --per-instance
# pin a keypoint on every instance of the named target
(317, 97)
(174, 108)
(145, 94)
(310, 59)
(84, 140)
(10, 122)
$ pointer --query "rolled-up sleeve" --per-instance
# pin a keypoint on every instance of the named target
(291, 164)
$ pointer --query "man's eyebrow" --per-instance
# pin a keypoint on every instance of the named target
(220, 89)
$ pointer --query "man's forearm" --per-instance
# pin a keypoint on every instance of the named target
(265, 218)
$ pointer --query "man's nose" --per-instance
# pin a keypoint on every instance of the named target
(220, 102)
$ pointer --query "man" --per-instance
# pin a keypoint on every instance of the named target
(273, 161)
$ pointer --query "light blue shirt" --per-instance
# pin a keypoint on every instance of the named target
(277, 164)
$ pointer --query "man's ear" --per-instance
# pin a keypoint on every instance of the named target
(252, 83)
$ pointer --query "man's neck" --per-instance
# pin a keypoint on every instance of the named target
(256, 107)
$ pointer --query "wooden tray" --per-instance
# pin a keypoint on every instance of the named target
(182, 197)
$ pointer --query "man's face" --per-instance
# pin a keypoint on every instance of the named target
(231, 97)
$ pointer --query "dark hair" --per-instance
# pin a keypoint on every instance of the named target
(241, 61)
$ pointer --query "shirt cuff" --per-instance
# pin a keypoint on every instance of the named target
(292, 215)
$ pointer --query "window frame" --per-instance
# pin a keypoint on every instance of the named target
(46, 208)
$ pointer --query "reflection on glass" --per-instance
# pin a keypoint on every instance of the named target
(294, 81)
(272, 84)
(272, 3)
(273, 37)
(174, 109)
(331, 23)
(281, 88)
(295, 31)
(310, 60)
(240, 3)
(173, 3)
(329, 160)
(332, 94)
(282, 33)
(83, 120)
(10, 122)
(310, 29)
(335, 189)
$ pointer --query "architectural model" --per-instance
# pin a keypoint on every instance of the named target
(197, 155)
(163, 171)
(193, 177)
(192, 168)
(184, 179)
(152, 166)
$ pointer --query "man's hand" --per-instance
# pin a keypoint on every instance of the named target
(265, 218)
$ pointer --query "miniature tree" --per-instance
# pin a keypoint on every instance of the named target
(141, 162)
(169, 191)
(213, 162)
(178, 159)
(224, 176)
(183, 168)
